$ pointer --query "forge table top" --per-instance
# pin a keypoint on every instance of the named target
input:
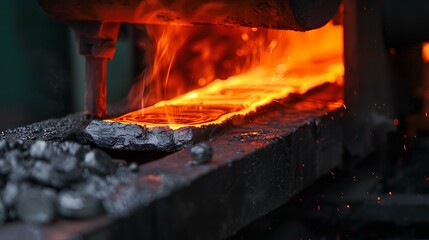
(257, 165)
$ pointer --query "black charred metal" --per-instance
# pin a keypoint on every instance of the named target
(36, 205)
(66, 170)
(201, 153)
(34, 173)
(93, 186)
(10, 193)
(4, 167)
(3, 145)
(119, 136)
(51, 129)
(41, 172)
(99, 162)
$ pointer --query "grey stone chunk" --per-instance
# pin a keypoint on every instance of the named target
(73, 204)
(20, 165)
(32, 172)
(122, 175)
(114, 135)
(15, 157)
(66, 164)
(36, 206)
(18, 145)
(99, 162)
(10, 193)
(3, 145)
(60, 180)
(65, 170)
(202, 153)
(19, 173)
(5, 167)
(74, 149)
(41, 172)
(39, 149)
(95, 186)
(133, 167)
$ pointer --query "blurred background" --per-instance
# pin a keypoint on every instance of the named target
(41, 73)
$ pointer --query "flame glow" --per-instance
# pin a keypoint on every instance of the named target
(425, 52)
(257, 65)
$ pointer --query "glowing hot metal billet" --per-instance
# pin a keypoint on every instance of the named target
(221, 100)
(132, 137)
(276, 64)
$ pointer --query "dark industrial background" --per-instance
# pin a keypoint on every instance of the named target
(40, 70)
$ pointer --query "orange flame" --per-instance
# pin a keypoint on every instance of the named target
(259, 65)
(425, 52)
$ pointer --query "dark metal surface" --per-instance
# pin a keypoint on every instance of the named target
(363, 202)
(369, 77)
(95, 86)
(97, 42)
(405, 22)
(298, 15)
(256, 166)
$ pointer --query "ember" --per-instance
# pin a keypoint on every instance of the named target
(425, 52)
(268, 65)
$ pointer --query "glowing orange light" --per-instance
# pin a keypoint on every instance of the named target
(265, 65)
(425, 52)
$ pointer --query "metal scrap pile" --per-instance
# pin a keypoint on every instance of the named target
(41, 180)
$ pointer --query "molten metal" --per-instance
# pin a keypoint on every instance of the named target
(271, 64)
(425, 52)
